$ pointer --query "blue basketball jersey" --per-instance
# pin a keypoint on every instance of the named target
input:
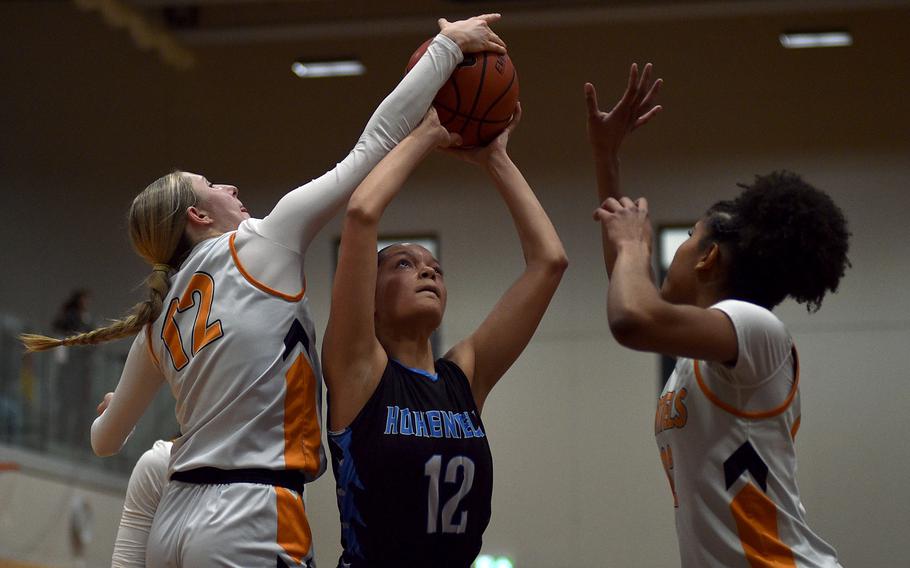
(414, 472)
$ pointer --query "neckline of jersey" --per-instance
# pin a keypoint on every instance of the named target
(433, 377)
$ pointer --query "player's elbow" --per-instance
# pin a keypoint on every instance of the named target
(558, 263)
(360, 213)
(102, 449)
(102, 445)
(553, 263)
(630, 327)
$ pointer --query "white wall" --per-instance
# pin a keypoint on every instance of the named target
(39, 502)
(578, 480)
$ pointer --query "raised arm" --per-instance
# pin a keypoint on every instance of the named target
(352, 358)
(139, 383)
(488, 353)
(607, 130)
(302, 213)
(639, 317)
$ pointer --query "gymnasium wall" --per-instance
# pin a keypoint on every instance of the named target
(86, 121)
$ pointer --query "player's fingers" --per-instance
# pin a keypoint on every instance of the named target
(442, 23)
(105, 402)
(591, 100)
(643, 119)
(642, 204)
(645, 75)
(611, 205)
(641, 89)
(494, 43)
(626, 203)
(601, 214)
(629, 95)
(489, 18)
(647, 101)
(634, 74)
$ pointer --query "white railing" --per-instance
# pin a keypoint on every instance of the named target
(48, 400)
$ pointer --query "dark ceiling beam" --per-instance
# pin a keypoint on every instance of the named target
(523, 18)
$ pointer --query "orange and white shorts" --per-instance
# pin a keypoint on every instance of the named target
(236, 525)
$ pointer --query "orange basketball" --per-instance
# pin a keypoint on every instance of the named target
(479, 98)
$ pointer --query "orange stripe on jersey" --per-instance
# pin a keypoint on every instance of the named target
(745, 413)
(257, 283)
(302, 436)
(756, 522)
(795, 428)
(294, 534)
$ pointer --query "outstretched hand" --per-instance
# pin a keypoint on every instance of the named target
(606, 130)
(480, 155)
(474, 34)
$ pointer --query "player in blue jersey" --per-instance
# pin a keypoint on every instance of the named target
(409, 449)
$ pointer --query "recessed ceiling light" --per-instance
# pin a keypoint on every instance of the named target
(341, 68)
(801, 40)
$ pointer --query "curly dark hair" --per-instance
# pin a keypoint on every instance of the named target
(785, 238)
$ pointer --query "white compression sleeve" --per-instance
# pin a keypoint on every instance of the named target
(302, 213)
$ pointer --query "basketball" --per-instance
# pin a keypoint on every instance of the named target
(479, 98)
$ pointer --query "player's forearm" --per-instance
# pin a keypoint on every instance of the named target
(539, 241)
(632, 297)
(139, 382)
(606, 170)
(301, 214)
(106, 440)
(405, 106)
(371, 198)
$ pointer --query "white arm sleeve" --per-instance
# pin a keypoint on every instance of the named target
(763, 342)
(139, 383)
(142, 496)
(302, 213)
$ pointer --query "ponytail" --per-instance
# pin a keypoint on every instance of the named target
(157, 221)
(141, 314)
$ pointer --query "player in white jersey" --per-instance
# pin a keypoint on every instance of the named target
(227, 326)
(728, 415)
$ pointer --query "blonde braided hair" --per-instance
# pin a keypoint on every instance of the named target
(157, 225)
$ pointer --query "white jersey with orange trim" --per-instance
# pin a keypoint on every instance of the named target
(240, 359)
(726, 439)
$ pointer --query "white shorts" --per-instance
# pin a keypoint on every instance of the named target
(236, 525)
